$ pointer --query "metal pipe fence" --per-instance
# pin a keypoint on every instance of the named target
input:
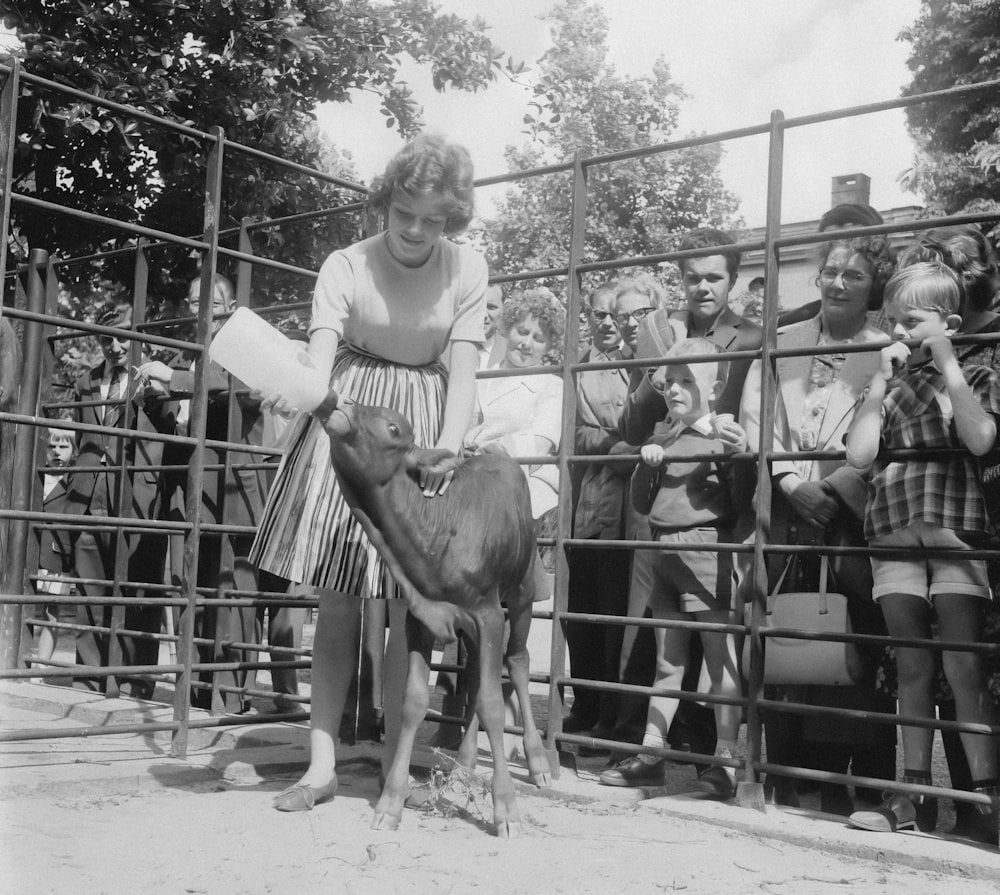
(44, 327)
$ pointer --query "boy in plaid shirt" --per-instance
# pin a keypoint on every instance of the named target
(924, 399)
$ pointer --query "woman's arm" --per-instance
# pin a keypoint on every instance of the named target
(461, 398)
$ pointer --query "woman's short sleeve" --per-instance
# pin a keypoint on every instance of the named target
(333, 294)
(470, 301)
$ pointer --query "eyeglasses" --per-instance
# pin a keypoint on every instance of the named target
(637, 315)
(850, 277)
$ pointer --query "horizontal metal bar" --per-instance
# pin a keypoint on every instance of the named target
(110, 223)
(82, 327)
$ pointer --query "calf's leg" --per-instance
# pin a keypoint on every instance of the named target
(389, 809)
(489, 707)
(468, 751)
(519, 613)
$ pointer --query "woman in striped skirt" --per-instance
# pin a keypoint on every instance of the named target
(386, 312)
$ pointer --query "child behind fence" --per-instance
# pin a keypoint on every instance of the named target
(922, 398)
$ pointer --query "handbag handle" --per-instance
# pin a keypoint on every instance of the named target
(824, 568)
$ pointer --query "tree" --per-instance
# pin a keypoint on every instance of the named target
(958, 138)
(635, 207)
(257, 68)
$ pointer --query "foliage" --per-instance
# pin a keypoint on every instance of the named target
(958, 137)
(256, 68)
(580, 104)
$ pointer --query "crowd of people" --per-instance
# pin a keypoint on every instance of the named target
(406, 317)
(100, 474)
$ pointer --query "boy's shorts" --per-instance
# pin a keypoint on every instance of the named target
(691, 580)
(926, 576)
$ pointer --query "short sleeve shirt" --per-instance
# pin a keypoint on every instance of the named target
(941, 490)
(406, 315)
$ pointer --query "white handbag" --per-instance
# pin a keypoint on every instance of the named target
(791, 660)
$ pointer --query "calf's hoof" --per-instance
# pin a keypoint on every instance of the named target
(385, 822)
(542, 779)
(507, 829)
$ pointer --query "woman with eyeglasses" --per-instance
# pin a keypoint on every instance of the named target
(821, 501)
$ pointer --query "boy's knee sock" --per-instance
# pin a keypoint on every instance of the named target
(656, 741)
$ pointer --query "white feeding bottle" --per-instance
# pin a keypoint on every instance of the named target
(258, 354)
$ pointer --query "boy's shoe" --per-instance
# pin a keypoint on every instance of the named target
(634, 772)
(717, 782)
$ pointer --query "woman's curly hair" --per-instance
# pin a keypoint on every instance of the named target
(540, 303)
(880, 256)
(429, 166)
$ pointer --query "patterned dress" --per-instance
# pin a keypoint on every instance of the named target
(394, 324)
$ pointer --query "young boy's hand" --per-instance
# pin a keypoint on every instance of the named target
(652, 454)
(940, 349)
(731, 434)
(892, 358)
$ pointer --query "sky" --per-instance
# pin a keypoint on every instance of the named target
(736, 59)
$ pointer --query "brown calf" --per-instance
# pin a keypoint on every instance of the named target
(457, 558)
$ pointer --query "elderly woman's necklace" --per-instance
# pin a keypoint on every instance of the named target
(826, 367)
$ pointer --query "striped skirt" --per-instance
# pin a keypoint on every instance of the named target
(308, 533)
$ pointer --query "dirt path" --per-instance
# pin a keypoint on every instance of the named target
(219, 839)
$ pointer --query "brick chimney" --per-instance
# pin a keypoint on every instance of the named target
(850, 189)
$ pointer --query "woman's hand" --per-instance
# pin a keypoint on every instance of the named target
(434, 478)
(814, 503)
(276, 403)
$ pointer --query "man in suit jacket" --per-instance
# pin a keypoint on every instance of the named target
(102, 399)
(237, 499)
(707, 281)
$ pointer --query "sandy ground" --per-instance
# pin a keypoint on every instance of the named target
(115, 814)
(223, 838)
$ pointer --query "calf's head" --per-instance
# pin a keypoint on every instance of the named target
(367, 444)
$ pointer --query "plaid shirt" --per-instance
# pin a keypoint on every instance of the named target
(945, 491)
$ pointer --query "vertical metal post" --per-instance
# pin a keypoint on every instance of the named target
(25, 437)
(186, 652)
(124, 541)
(8, 136)
(10, 376)
(578, 223)
(751, 791)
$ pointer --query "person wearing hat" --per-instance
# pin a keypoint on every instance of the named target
(101, 396)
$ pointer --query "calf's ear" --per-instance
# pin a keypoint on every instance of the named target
(433, 460)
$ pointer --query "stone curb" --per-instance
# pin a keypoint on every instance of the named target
(255, 755)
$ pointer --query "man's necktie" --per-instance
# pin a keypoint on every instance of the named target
(112, 410)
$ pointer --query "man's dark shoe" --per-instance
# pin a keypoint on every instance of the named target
(898, 812)
(717, 782)
(633, 772)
